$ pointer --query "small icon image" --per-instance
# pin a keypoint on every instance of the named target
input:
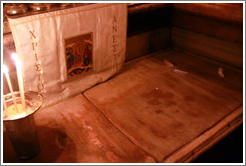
(79, 54)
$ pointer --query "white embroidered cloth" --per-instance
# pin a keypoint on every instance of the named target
(46, 44)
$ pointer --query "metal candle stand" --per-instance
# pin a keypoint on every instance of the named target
(22, 131)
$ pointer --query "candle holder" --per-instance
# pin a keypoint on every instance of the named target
(20, 126)
(39, 7)
(65, 5)
(15, 8)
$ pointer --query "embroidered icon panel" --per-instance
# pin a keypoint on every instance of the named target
(79, 54)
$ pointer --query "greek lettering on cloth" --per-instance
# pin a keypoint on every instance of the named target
(68, 51)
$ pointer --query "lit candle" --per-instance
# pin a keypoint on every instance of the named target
(6, 72)
(20, 79)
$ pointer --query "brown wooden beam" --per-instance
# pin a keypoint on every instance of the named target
(145, 7)
(226, 12)
(208, 26)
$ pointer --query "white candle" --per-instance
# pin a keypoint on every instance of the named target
(20, 79)
(5, 105)
(6, 72)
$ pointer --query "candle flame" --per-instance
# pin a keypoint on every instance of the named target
(20, 79)
(15, 57)
(5, 69)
